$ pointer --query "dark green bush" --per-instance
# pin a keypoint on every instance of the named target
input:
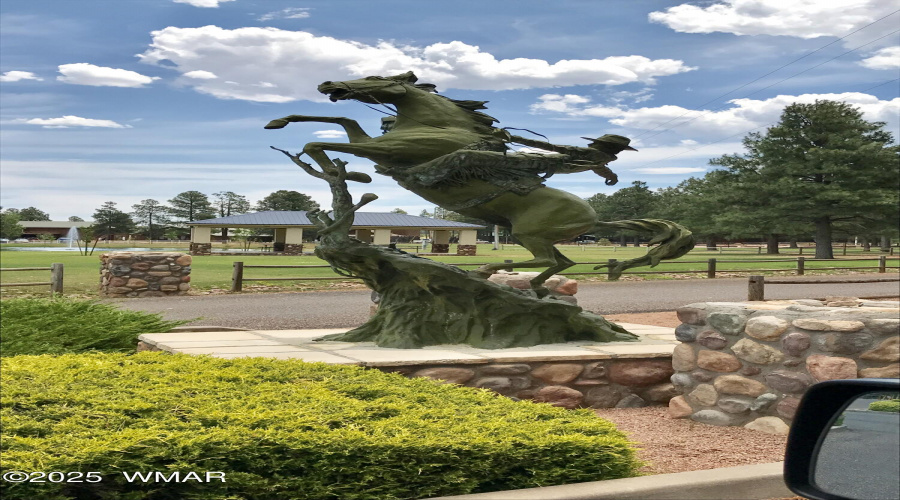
(284, 429)
(60, 325)
(891, 405)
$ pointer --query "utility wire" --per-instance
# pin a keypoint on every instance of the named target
(741, 133)
(776, 83)
(767, 74)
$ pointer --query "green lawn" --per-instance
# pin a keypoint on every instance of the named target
(208, 272)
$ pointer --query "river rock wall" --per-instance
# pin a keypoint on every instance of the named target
(144, 274)
(749, 363)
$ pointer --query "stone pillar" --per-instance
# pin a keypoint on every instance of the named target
(749, 364)
(440, 242)
(278, 240)
(382, 237)
(467, 240)
(144, 274)
(364, 235)
(293, 240)
(201, 240)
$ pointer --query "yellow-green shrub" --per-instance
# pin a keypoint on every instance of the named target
(283, 429)
(891, 405)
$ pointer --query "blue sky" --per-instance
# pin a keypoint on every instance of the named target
(125, 100)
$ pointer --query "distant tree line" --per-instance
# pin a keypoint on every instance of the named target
(821, 173)
(156, 220)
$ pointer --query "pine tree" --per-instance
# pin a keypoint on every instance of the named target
(821, 165)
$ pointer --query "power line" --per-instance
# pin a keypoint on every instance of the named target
(741, 133)
(769, 73)
(772, 85)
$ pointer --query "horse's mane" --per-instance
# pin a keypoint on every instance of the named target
(470, 106)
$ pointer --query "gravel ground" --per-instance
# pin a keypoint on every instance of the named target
(680, 445)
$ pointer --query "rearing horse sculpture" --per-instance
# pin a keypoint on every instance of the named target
(450, 154)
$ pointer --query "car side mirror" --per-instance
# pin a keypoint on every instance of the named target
(844, 443)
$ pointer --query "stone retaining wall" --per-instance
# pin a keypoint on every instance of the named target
(619, 383)
(466, 250)
(749, 363)
(201, 248)
(144, 274)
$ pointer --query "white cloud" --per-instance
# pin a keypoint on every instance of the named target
(74, 121)
(289, 13)
(798, 18)
(886, 58)
(200, 75)
(15, 76)
(330, 134)
(203, 3)
(688, 142)
(99, 76)
(744, 115)
(298, 61)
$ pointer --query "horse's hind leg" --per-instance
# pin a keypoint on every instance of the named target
(545, 255)
(562, 263)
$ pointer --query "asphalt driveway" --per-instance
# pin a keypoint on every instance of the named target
(336, 309)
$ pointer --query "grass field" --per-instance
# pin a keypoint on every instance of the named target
(214, 272)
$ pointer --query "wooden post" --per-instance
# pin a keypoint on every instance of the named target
(882, 264)
(801, 266)
(237, 277)
(56, 279)
(801, 250)
(756, 287)
(711, 268)
(610, 264)
(845, 248)
(758, 250)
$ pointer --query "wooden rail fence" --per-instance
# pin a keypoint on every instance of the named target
(56, 277)
(756, 285)
(238, 279)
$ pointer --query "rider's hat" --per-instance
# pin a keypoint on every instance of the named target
(618, 140)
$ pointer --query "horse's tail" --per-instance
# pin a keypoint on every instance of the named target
(673, 241)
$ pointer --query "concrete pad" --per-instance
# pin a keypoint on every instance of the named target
(533, 354)
(728, 483)
(308, 356)
(637, 351)
(153, 338)
(396, 357)
(300, 334)
(179, 344)
(240, 350)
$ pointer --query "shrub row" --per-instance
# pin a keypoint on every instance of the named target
(891, 405)
(60, 325)
(283, 429)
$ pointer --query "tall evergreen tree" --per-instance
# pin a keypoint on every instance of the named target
(227, 203)
(152, 215)
(633, 202)
(822, 164)
(109, 220)
(189, 206)
(286, 200)
(32, 213)
(9, 224)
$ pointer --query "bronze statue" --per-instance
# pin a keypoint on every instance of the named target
(450, 153)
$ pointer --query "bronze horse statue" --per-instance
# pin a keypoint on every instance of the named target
(450, 154)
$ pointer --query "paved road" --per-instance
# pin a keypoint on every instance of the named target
(279, 311)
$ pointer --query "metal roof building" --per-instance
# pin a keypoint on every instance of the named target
(370, 227)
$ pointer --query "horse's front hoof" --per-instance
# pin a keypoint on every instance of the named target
(540, 291)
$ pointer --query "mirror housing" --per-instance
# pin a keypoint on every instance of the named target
(820, 406)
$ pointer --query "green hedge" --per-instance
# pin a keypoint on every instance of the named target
(892, 405)
(284, 429)
(60, 325)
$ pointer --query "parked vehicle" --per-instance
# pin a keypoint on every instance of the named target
(844, 442)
